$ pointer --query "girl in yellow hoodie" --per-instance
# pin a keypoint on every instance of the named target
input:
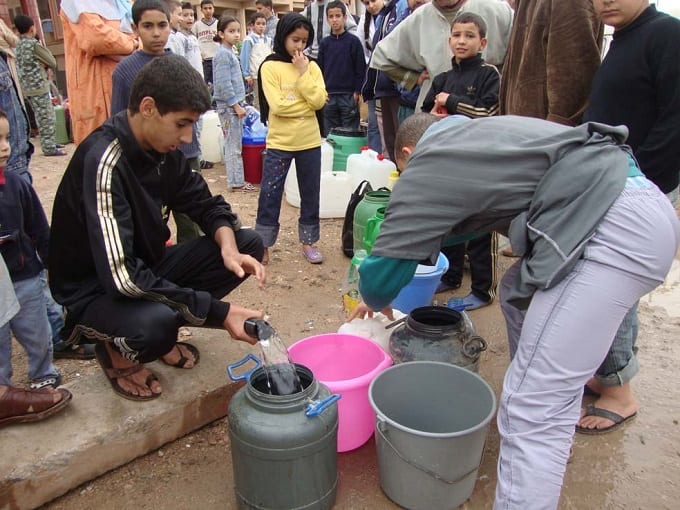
(292, 91)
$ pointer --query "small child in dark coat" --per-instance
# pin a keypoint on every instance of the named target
(24, 238)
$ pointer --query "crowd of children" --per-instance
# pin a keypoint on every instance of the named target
(300, 69)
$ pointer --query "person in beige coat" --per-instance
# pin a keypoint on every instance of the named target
(552, 57)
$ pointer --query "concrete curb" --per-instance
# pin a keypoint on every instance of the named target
(100, 431)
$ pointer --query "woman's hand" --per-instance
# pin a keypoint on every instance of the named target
(301, 62)
(363, 309)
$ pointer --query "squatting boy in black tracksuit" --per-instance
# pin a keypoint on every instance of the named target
(109, 263)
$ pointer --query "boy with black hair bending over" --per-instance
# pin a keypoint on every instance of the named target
(470, 88)
(341, 59)
(109, 265)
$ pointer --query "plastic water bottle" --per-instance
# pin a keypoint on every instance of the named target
(350, 288)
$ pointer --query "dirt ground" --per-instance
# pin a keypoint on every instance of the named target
(638, 467)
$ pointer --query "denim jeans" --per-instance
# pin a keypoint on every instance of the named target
(31, 329)
(274, 172)
(564, 336)
(55, 313)
(404, 113)
(621, 363)
(341, 110)
(373, 132)
(197, 129)
(232, 127)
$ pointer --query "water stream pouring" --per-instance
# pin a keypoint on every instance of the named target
(282, 377)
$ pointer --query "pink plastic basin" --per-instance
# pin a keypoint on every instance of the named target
(346, 364)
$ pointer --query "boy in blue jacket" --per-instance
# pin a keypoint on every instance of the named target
(24, 236)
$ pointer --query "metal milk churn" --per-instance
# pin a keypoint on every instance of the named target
(283, 447)
(437, 333)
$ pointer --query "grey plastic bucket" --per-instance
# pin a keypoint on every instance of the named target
(432, 420)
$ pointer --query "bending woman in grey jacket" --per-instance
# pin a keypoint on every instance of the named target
(596, 234)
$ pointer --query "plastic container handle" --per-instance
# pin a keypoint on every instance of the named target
(316, 407)
(371, 231)
(245, 375)
(381, 428)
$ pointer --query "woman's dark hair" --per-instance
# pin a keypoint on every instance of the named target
(222, 25)
(173, 84)
(3, 115)
(368, 19)
(290, 23)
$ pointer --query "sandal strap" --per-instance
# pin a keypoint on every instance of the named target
(182, 359)
(117, 373)
(18, 401)
(591, 410)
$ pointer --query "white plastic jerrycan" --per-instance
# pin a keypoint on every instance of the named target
(371, 166)
(212, 137)
(330, 197)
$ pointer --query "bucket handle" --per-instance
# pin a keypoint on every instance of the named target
(316, 407)
(245, 375)
(381, 428)
(473, 347)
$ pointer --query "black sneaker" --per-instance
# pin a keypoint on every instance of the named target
(206, 165)
(52, 381)
(85, 351)
(446, 286)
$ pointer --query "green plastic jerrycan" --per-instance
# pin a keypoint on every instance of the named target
(373, 229)
(370, 203)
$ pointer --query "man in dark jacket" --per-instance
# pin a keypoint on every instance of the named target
(637, 86)
(109, 263)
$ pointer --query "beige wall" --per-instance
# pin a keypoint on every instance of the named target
(242, 10)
